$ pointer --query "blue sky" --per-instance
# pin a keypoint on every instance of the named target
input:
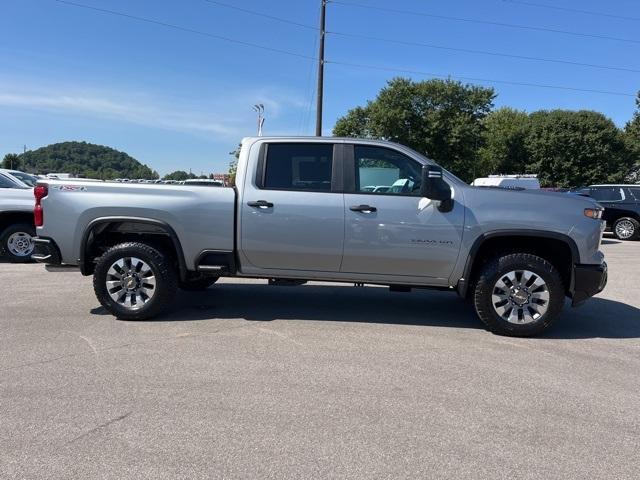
(178, 100)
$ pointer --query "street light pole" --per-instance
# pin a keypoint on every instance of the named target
(259, 108)
(323, 8)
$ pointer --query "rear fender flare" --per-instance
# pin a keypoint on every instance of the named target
(157, 224)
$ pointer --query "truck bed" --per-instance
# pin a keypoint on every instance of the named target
(203, 216)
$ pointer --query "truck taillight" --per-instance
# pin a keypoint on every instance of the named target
(40, 191)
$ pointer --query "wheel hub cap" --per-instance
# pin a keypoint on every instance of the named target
(20, 244)
(131, 282)
(520, 297)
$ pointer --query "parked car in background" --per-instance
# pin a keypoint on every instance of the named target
(508, 181)
(26, 178)
(16, 218)
(207, 182)
(376, 188)
(621, 208)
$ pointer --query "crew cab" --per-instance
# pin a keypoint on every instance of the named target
(302, 210)
(16, 217)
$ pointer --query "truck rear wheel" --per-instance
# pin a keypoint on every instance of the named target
(518, 295)
(134, 281)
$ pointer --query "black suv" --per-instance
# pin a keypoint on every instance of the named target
(621, 208)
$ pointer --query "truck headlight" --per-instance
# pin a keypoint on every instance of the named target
(595, 213)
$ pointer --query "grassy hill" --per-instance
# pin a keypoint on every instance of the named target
(84, 159)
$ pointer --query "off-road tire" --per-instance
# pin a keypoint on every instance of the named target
(163, 270)
(198, 284)
(499, 266)
(635, 226)
(4, 239)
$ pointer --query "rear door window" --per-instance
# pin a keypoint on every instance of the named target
(633, 193)
(299, 166)
(608, 194)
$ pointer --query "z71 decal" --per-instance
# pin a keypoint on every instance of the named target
(70, 188)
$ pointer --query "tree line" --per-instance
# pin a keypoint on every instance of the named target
(80, 159)
(456, 125)
(87, 160)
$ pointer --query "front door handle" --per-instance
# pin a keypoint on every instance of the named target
(363, 208)
(260, 204)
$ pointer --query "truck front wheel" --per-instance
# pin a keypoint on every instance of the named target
(134, 281)
(518, 295)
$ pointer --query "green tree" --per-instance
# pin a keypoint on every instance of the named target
(504, 147)
(632, 137)
(439, 118)
(85, 159)
(11, 161)
(573, 148)
(233, 165)
(179, 175)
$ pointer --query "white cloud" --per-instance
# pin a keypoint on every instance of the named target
(229, 117)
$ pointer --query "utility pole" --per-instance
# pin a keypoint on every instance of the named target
(323, 9)
(259, 108)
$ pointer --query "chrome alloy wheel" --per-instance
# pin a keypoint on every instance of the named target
(131, 282)
(520, 297)
(20, 244)
(625, 229)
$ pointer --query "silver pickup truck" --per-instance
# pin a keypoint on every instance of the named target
(304, 209)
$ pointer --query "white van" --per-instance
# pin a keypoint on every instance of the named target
(529, 182)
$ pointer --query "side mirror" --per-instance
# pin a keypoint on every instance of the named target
(433, 185)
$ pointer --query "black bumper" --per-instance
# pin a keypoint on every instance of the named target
(588, 280)
(46, 251)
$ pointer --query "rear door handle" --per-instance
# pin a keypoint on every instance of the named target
(260, 204)
(363, 208)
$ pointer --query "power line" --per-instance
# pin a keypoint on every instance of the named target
(441, 47)
(185, 29)
(260, 14)
(572, 10)
(477, 79)
(484, 22)
(484, 52)
(374, 67)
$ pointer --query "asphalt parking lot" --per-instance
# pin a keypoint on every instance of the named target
(320, 381)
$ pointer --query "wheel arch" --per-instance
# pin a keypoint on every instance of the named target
(12, 217)
(617, 214)
(537, 242)
(129, 229)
